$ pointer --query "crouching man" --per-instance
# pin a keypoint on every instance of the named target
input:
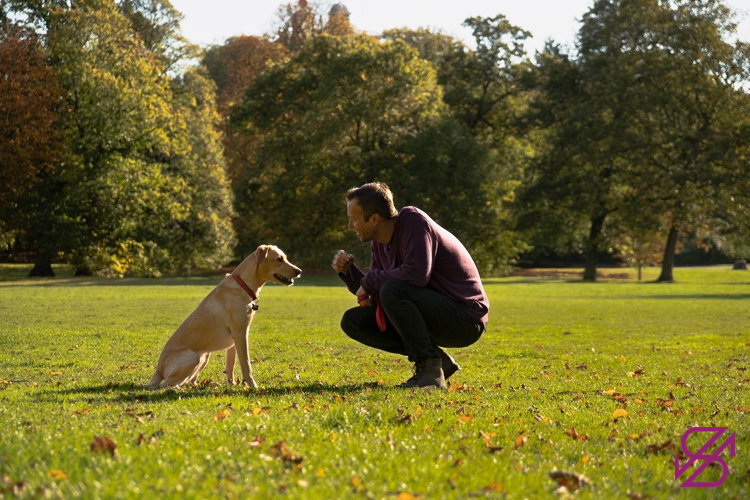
(422, 292)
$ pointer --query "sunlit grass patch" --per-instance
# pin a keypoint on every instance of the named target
(599, 380)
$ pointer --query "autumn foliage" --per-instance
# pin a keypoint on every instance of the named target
(30, 107)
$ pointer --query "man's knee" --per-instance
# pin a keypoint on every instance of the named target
(350, 322)
(391, 290)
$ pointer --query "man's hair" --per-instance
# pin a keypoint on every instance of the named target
(374, 198)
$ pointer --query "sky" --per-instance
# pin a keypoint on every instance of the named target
(207, 23)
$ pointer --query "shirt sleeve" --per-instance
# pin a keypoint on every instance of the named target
(418, 244)
(353, 279)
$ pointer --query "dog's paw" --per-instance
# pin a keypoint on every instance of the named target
(252, 384)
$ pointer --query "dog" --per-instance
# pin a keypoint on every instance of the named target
(222, 321)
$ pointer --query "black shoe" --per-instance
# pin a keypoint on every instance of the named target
(428, 374)
(449, 364)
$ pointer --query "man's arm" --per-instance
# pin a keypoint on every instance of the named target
(418, 249)
(350, 274)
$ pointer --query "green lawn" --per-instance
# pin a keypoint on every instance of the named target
(559, 355)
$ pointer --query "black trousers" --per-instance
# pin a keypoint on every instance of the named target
(419, 320)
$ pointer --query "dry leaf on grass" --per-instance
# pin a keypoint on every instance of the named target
(222, 414)
(280, 450)
(578, 437)
(620, 413)
(57, 474)
(570, 480)
(103, 444)
(521, 440)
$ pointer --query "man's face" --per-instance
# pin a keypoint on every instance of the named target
(364, 229)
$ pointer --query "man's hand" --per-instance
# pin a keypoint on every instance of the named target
(342, 261)
(366, 302)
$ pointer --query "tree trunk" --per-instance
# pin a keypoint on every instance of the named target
(639, 271)
(740, 265)
(42, 266)
(592, 247)
(667, 264)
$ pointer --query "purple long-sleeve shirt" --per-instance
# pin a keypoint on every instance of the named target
(424, 254)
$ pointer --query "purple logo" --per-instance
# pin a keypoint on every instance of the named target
(718, 432)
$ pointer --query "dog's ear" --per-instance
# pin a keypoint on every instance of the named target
(261, 253)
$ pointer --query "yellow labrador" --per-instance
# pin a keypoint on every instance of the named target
(222, 321)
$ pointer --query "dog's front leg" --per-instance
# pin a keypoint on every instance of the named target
(229, 370)
(240, 343)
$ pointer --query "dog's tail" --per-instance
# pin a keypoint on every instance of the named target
(156, 380)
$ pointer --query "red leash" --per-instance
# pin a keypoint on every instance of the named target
(379, 312)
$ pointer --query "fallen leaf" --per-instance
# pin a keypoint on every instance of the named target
(222, 414)
(497, 487)
(570, 480)
(403, 495)
(372, 372)
(620, 413)
(57, 474)
(356, 482)
(320, 473)
(638, 496)
(578, 437)
(280, 450)
(521, 440)
(465, 418)
(103, 444)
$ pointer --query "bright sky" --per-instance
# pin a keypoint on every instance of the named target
(213, 22)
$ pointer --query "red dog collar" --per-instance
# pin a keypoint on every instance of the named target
(244, 286)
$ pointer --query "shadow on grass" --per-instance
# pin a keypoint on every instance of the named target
(696, 296)
(130, 392)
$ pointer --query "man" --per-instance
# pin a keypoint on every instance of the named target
(423, 289)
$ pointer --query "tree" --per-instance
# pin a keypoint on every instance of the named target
(684, 101)
(234, 65)
(347, 111)
(643, 128)
(575, 181)
(30, 104)
(157, 23)
(297, 23)
(141, 188)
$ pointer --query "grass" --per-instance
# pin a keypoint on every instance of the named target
(559, 355)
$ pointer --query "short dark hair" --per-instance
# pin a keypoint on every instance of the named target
(374, 198)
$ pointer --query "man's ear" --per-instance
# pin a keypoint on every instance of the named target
(261, 253)
(375, 219)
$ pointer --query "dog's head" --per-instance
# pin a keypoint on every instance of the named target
(274, 266)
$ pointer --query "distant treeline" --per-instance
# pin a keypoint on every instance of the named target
(127, 150)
